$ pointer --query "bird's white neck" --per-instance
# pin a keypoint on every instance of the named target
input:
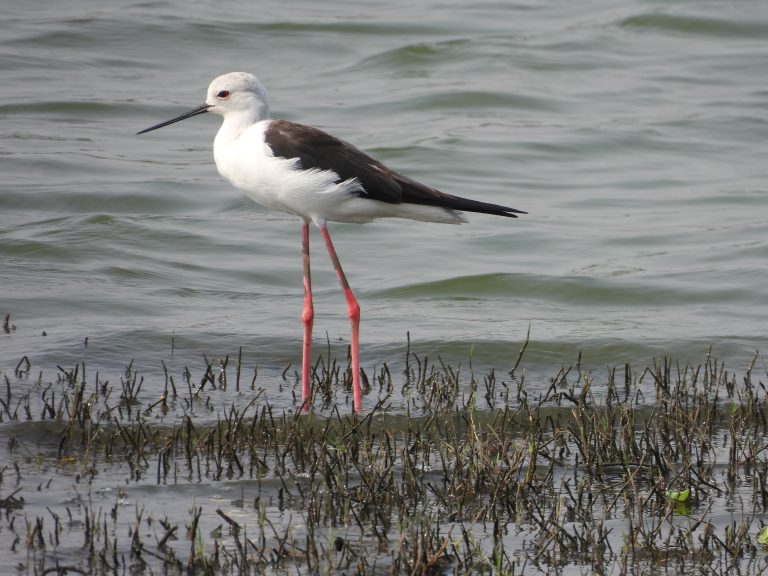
(240, 137)
(237, 122)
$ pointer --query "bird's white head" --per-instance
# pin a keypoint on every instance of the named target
(238, 96)
(240, 93)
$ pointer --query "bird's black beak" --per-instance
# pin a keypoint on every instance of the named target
(201, 110)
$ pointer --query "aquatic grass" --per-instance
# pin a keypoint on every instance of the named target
(478, 473)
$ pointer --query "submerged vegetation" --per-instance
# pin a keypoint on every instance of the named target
(620, 472)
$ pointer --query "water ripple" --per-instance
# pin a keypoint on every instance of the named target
(698, 26)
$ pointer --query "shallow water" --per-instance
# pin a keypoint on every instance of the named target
(94, 480)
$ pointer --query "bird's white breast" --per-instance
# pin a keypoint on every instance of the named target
(243, 158)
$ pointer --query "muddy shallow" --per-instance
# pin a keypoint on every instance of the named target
(613, 471)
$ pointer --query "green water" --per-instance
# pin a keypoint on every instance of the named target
(632, 133)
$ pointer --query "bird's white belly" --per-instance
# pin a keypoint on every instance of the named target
(277, 183)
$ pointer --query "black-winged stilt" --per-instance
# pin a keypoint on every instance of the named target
(304, 171)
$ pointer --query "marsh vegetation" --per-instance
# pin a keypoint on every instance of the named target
(618, 470)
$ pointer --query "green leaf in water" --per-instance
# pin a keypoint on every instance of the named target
(679, 497)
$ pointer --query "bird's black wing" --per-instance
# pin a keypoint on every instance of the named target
(317, 149)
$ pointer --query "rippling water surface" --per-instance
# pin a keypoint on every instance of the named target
(632, 132)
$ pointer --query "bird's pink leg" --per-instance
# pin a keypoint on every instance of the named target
(353, 308)
(307, 318)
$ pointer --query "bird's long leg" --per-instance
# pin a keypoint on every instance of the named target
(307, 318)
(353, 308)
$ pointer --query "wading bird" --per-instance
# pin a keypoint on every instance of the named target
(319, 178)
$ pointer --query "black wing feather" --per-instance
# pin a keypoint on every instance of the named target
(317, 149)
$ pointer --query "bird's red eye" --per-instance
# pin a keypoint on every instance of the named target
(222, 94)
